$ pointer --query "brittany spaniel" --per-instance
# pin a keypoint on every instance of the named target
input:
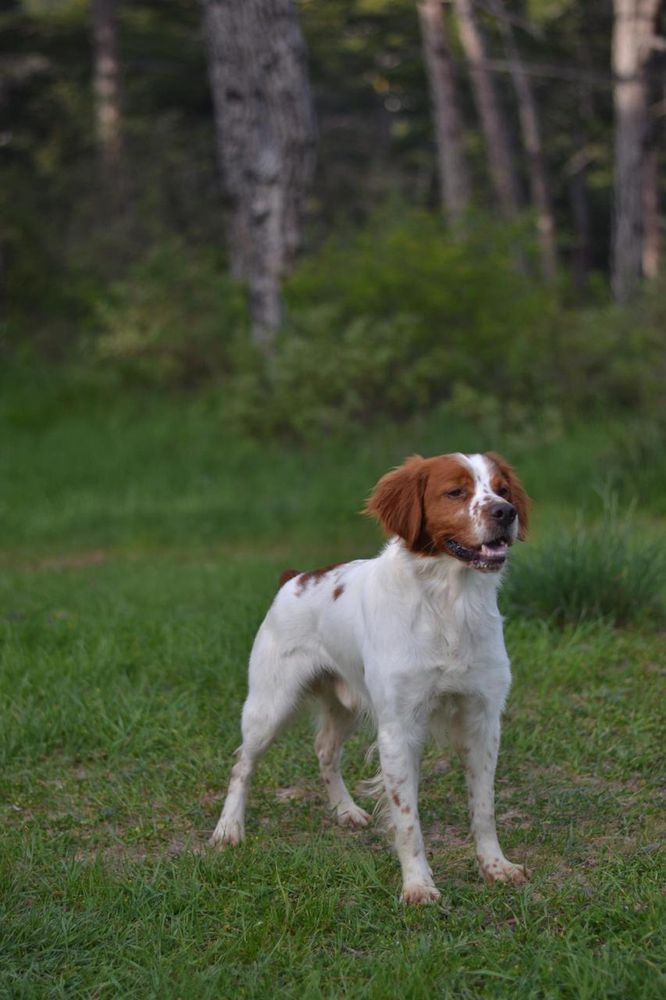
(412, 639)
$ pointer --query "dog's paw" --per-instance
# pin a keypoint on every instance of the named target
(501, 870)
(353, 815)
(418, 893)
(227, 832)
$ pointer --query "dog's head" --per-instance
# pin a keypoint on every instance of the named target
(469, 507)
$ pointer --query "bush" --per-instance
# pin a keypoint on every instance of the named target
(390, 322)
(177, 319)
(606, 570)
(398, 318)
(613, 355)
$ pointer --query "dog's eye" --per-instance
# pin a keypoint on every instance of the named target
(455, 494)
(503, 491)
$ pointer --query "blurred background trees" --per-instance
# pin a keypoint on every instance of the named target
(106, 97)
(266, 143)
(529, 133)
(636, 204)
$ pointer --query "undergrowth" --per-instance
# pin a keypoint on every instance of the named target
(609, 568)
(387, 322)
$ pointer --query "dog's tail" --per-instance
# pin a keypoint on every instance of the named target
(287, 575)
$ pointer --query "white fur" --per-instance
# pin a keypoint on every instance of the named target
(483, 491)
(415, 643)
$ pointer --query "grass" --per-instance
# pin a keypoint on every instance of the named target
(140, 546)
(609, 569)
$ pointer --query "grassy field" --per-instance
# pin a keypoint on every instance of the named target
(139, 546)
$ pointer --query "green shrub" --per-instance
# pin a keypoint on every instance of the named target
(613, 355)
(396, 319)
(606, 570)
(176, 319)
(390, 322)
(475, 317)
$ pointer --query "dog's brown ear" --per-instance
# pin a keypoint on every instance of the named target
(517, 493)
(397, 500)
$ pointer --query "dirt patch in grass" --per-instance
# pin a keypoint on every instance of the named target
(71, 560)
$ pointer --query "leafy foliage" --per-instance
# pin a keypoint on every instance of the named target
(393, 320)
(176, 320)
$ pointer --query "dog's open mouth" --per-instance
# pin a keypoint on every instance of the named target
(488, 557)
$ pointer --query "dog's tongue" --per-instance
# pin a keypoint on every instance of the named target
(497, 550)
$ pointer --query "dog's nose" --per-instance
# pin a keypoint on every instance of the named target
(503, 513)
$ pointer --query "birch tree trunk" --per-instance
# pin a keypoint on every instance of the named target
(633, 29)
(454, 184)
(265, 142)
(106, 93)
(493, 123)
(531, 135)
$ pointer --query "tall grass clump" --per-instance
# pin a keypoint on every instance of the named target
(605, 570)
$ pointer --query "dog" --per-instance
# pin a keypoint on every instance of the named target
(411, 639)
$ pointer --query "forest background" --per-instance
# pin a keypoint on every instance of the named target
(474, 223)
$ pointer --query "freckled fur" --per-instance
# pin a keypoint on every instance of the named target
(314, 576)
(416, 646)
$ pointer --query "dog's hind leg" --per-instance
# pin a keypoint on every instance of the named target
(277, 681)
(337, 721)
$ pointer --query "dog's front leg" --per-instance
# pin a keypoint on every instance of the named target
(476, 736)
(399, 757)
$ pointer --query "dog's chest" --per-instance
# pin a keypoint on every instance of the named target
(457, 637)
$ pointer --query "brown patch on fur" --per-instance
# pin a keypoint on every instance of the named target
(448, 517)
(406, 809)
(286, 576)
(397, 501)
(517, 494)
(338, 591)
(413, 502)
(315, 575)
(396, 798)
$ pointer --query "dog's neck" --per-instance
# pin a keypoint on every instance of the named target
(442, 577)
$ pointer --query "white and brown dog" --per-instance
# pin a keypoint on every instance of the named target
(412, 639)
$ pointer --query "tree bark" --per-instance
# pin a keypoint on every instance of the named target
(454, 184)
(577, 172)
(651, 214)
(633, 30)
(106, 93)
(500, 160)
(531, 134)
(265, 142)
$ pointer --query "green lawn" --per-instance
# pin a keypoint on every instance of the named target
(139, 546)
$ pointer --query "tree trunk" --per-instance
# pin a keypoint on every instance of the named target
(493, 122)
(106, 92)
(454, 185)
(531, 133)
(580, 210)
(651, 215)
(632, 42)
(265, 142)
